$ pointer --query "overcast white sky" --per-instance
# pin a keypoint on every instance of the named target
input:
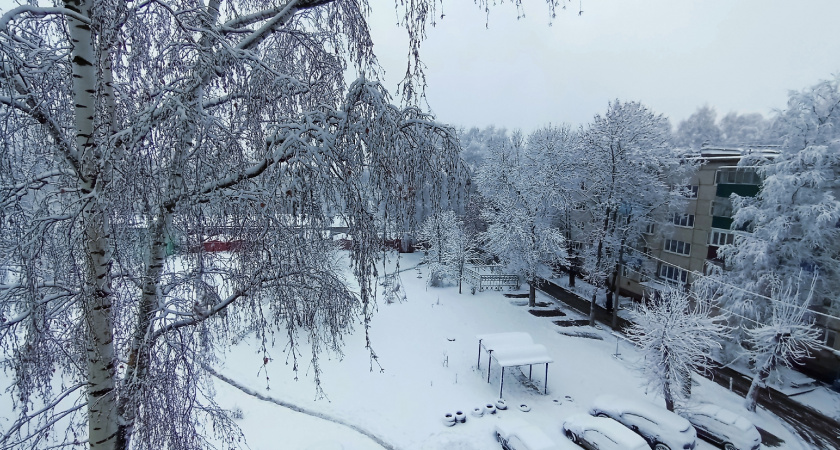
(673, 56)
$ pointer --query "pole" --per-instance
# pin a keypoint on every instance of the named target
(546, 379)
(530, 370)
(478, 364)
(489, 360)
(502, 383)
(617, 285)
(616, 347)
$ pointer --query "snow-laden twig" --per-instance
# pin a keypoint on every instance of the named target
(379, 440)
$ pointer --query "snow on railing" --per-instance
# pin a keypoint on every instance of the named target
(489, 277)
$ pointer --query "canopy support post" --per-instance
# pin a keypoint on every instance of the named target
(502, 383)
(489, 360)
(546, 379)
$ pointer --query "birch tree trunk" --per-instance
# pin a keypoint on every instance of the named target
(98, 295)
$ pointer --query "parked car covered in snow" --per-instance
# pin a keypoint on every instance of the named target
(723, 427)
(601, 433)
(516, 434)
(661, 428)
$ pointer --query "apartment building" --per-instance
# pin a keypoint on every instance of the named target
(687, 246)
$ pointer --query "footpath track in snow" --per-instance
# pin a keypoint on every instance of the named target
(812, 426)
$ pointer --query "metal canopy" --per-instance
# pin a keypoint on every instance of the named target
(512, 350)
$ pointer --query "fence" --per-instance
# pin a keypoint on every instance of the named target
(489, 277)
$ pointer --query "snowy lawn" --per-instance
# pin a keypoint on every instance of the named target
(428, 352)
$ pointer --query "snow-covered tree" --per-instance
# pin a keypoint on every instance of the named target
(629, 178)
(785, 338)
(698, 129)
(448, 247)
(676, 335)
(745, 129)
(134, 132)
(475, 144)
(554, 157)
(792, 223)
(520, 229)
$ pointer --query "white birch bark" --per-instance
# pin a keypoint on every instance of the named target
(101, 394)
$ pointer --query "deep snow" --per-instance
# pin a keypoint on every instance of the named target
(428, 350)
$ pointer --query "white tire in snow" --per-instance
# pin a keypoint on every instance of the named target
(477, 412)
(460, 417)
(501, 405)
(524, 408)
(448, 419)
(489, 408)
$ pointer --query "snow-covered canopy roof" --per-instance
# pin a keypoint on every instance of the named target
(521, 355)
(514, 349)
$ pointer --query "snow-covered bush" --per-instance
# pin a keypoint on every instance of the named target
(448, 247)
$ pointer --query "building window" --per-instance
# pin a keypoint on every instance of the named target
(671, 273)
(633, 274)
(678, 247)
(683, 220)
(722, 207)
(720, 237)
(734, 175)
(650, 228)
(691, 191)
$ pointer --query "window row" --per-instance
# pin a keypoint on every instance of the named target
(679, 247)
(719, 237)
(683, 220)
(737, 175)
(672, 273)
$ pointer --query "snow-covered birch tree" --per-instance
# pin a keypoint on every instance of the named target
(520, 230)
(786, 337)
(676, 336)
(630, 178)
(134, 132)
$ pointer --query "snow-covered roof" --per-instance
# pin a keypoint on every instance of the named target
(737, 152)
(521, 355)
(514, 349)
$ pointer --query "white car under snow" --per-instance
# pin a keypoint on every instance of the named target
(515, 434)
(601, 433)
(723, 427)
(661, 428)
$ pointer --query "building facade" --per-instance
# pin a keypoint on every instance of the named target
(687, 246)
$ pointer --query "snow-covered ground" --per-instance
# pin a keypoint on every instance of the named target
(428, 352)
